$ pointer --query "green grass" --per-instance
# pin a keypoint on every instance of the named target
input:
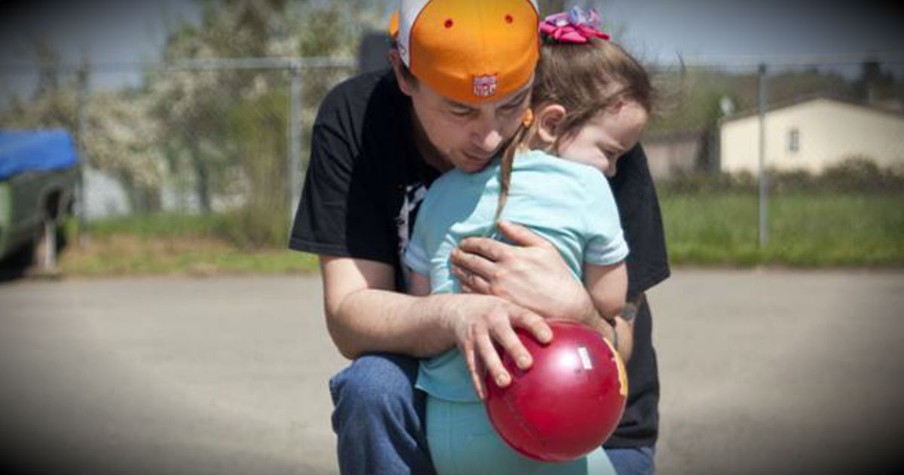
(112, 257)
(805, 230)
(703, 229)
(173, 244)
(158, 226)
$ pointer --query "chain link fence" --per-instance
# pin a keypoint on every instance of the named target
(746, 156)
(223, 140)
(798, 161)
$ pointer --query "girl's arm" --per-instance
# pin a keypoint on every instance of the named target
(608, 286)
(418, 284)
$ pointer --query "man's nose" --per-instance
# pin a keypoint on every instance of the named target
(487, 135)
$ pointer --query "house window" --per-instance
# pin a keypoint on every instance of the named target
(794, 140)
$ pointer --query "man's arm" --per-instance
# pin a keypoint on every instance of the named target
(364, 314)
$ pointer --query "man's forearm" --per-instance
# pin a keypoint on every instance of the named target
(371, 320)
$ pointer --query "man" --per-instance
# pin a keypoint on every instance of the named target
(459, 85)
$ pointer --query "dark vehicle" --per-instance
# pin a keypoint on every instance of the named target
(38, 176)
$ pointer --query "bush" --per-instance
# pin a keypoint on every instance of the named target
(255, 228)
(852, 175)
(703, 182)
(861, 174)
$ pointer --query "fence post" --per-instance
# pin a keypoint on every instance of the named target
(294, 159)
(761, 107)
(81, 204)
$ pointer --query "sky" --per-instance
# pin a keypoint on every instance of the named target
(752, 31)
(710, 32)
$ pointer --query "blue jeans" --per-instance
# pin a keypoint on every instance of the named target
(379, 420)
(379, 416)
(632, 461)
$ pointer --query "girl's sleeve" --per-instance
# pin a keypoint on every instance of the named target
(605, 242)
(416, 256)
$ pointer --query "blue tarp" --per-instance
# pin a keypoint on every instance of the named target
(35, 150)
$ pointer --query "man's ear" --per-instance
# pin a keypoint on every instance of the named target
(396, 62)
(548, 120)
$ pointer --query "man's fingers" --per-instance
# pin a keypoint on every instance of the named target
(536, 325)
(476, 371)
(506, 337)
(521, 235)
(492, 362)
(511, 344)
(489, 249)
(471, 283)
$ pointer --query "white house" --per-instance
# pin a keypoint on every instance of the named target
(673, 153)
(812, 135)
(103, 196)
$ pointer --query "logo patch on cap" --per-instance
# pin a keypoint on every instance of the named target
(485, 85)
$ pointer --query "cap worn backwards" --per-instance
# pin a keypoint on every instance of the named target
(470, 50)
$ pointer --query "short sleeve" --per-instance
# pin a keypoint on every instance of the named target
(342, 211)
(319, 225)
(415, 255)
(606, 243)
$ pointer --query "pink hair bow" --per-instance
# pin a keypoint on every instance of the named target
(573, 26)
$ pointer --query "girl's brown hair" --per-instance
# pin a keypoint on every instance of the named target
(585, 79)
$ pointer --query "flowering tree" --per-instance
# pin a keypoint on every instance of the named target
(217, 134)
(122, 140)
(119, 137)
(226, 128)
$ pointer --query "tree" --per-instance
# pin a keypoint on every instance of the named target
(219, 134)
(195, 106)
(54, 101)
(874, 84)
(123, 140)
(227, 127)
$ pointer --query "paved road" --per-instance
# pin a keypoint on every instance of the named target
(762, 372)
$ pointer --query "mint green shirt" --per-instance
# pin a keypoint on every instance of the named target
(567, 203)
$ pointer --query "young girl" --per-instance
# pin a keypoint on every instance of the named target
(590, 104)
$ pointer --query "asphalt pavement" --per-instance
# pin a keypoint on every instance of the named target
(763, 371)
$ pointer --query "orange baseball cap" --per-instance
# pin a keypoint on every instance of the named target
(469, 50)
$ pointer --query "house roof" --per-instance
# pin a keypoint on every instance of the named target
(812, 98)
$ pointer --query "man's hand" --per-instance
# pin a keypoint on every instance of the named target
(480, 320)
(531, 274)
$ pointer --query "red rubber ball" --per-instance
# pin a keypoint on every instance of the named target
(568, 402)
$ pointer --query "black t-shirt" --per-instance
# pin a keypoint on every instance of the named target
(648, 265)
(366, 180)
